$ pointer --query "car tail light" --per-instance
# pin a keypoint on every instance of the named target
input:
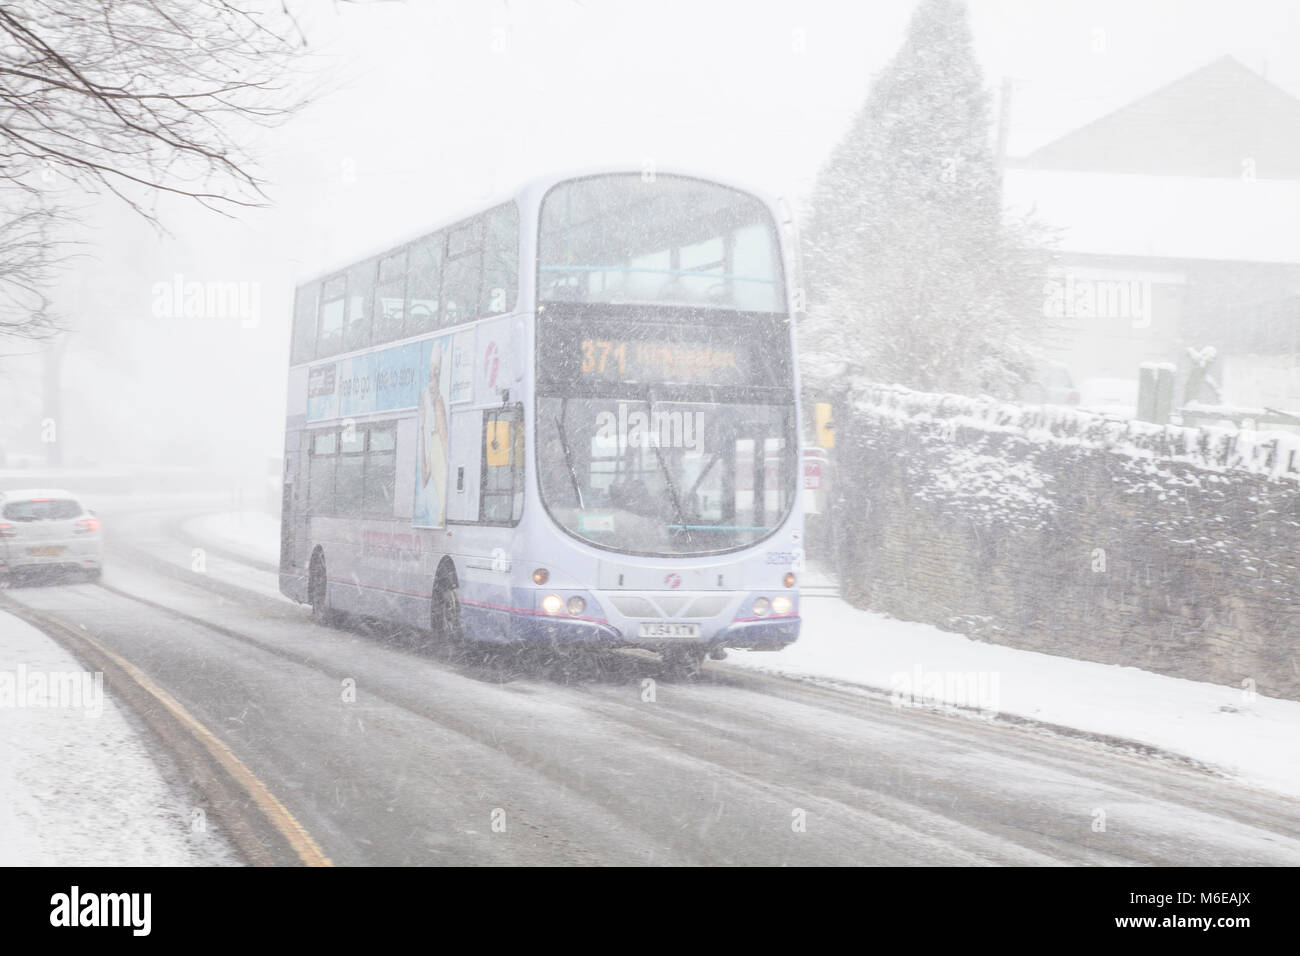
(7, 531)
(86, 525)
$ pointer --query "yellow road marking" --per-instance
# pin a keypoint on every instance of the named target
(284, 821)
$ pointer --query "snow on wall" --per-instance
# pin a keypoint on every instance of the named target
(1172, 549)
(1273, 453)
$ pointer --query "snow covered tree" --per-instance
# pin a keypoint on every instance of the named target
(915, 276)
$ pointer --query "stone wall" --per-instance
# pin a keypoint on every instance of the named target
(1173, 550)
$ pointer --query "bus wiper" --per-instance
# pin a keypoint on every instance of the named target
(568, 455)
(668, 478)
(704, 473)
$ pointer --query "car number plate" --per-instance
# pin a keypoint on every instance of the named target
(45, 551)
(668, 629)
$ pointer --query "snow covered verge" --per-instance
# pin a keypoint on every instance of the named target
(247, 534)
(1233, 730)
(78, 786)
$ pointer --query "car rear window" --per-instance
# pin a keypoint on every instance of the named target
(42, 509)
(1059, 377)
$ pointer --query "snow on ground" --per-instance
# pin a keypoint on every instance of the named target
(249, 534)
(77, 784)
(1253, 738)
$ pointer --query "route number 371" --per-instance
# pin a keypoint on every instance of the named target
(596, 355)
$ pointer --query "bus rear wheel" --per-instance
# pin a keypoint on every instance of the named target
(444, 616)
(318, 595)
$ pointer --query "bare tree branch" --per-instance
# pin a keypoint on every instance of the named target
(132, 98)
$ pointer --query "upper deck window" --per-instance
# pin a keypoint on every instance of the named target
(669, 240)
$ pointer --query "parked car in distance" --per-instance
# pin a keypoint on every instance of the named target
(1052, 384)
(48, 528)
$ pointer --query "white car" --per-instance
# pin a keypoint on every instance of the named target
(48, 528)
(1051, 384)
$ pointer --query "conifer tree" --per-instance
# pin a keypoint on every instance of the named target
(915, 276)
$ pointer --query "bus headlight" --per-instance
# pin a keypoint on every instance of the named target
(541, 576)
(789, 579)
(552, 604)
(762, 607)
(576, 605)
(782, 604)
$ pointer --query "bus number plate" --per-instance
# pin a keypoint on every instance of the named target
(668, 629)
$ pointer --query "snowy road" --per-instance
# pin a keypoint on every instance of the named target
(446, 760)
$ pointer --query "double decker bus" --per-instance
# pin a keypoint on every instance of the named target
(570, 418)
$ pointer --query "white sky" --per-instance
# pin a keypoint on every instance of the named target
(448, 101)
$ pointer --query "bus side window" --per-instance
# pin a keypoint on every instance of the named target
(500, 260)
(320, 478)
(329, 337)
(423, 290)
(361, 300)
(390, 297)
(349, 471)
(501, 501)
(462, 273)
(380, 471)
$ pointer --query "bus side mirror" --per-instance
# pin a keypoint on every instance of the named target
(497, 444)
(825, 426)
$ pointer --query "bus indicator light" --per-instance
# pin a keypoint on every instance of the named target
(825, 426)
(498, 444)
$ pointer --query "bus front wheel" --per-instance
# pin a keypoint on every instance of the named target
(681, 663)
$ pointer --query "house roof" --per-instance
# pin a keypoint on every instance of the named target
(1222, 120)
